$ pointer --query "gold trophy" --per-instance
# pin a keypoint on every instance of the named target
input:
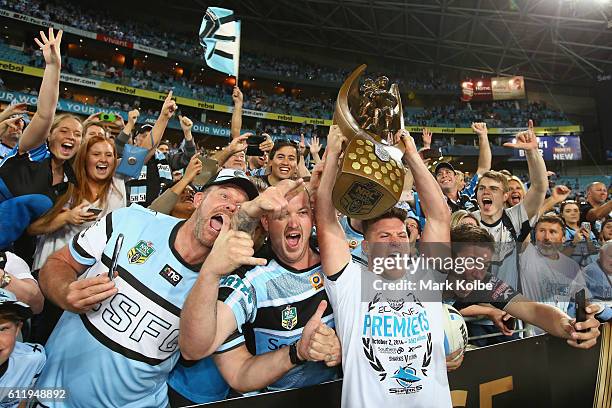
(371, 175)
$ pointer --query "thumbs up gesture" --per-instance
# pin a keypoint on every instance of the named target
(319, 342)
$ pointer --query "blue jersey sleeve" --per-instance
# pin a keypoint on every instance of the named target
(239, 294)
(470, 189)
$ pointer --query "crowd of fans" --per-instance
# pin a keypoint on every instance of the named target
(103, 21)
(140, 275)
(495, 114)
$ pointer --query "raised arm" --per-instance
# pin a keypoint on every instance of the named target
(203, 326)
(236, 125)
(437, 227)
(315, 148)
(558, 195)
(333, 247)
(537, 170)
(236, 145)
(124, 135)
(484, 155)
(167, 111)
(302, 170)
(181, 159)
(205, 322)
(37, 131)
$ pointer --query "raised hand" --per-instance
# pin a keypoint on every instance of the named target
(193, 168)
(231, 250)
(239, 143)
(315, 146)
(427, 135)
(17, 109)
(51, 47)
(319, 342)
(560, 193)
(480, 128)
(237, 96)
(186, 123)
(267, 145)
(335, 139)
(169, 107)
(405, 142)
(302, 143)
(526, 140)
(133, 116)
(274, 200)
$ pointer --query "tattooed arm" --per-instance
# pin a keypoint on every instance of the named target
(272, 201)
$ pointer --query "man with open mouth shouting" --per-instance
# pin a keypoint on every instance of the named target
(131, 322)
(284, 302)
(512, 225)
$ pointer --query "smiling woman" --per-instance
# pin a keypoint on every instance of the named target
(97, 192)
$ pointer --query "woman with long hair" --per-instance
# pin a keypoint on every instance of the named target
(35, 172)
(580, 242)
(95, 193)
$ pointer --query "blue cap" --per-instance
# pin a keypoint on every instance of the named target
(8, 300)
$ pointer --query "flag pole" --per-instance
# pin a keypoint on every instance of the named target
(237, 56)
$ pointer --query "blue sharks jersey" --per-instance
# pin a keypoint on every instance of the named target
(200, 381)
(354, 238)
(26, 192)
(277, 301)
(24, 366)
(120, 353)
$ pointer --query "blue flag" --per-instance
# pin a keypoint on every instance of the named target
(220, 37)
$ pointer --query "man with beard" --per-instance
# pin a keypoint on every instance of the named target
(595, 208)
(127, 328)
(378, 335)
(547, 274)
(503, 302)
(283, 303)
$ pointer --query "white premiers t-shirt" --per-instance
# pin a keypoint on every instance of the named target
(392, 349)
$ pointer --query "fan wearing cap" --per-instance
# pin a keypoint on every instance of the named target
(20, 363)
(446, 176)
(130, 328)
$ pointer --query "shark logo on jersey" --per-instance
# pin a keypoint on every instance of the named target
(141, 252)
(316, 281)
(289, 317)
(406, 376)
